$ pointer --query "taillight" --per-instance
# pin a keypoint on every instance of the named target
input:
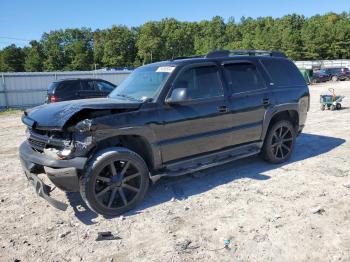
(53, 99)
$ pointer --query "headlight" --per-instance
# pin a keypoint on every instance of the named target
(27, 133)
(65, 153)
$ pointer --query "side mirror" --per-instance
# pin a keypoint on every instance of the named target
(178, 95)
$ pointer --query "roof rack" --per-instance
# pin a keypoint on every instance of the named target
(229, 53)
(185, 57)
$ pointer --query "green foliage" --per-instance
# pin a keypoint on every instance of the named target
(318, 37)
(149, 42)
(12, 59)
(210, 35)
(34, 58)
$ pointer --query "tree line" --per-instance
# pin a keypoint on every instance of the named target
(318, 37)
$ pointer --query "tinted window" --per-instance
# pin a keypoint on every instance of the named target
(283, 72)
(144, 82)
(104, 86)
(201, 82)
(242, 77)
(69, 87)
(52, 87)
(88, 85)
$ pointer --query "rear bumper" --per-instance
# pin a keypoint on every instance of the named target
(62, 173)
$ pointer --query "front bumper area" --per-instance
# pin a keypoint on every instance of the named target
(44, 190)
(62, 173)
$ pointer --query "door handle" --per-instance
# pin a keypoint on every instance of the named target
(223, 109)
(266, 101)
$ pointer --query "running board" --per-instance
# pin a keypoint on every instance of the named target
(214, 159)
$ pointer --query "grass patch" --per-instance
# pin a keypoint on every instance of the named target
(10, 111)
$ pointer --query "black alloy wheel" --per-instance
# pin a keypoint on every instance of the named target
(115, 182)
(279, 142)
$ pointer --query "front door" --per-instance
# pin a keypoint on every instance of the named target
(200, 124)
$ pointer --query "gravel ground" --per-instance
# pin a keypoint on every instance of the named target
(298, 211)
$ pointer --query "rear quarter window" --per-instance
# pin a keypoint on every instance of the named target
(52, 87)
(69, 87)
(284, 73)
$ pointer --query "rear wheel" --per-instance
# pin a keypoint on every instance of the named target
(323, 107)
(279, 142)
(116, 180)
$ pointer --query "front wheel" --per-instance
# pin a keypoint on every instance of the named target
(116, 180)
(279, 142)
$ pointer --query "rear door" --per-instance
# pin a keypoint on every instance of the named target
(248, 99)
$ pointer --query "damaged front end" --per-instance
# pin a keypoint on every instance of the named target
(60, 155)
(60, 138)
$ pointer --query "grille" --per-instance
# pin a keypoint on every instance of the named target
(37, 145)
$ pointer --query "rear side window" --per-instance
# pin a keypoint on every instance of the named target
(88, 85)
(52, 87)
(284, 73)
(242, 77)
(69, 87)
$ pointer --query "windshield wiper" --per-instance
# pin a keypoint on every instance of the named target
(128, 97)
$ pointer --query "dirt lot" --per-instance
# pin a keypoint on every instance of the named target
(298, 211)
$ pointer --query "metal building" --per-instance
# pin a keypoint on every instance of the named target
(29, 89)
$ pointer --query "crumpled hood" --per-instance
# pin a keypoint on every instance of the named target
(54, 116)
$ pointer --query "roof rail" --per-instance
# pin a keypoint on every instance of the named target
(185, 57)
(229, 53)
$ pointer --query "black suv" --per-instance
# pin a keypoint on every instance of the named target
(166, 119)
(339, 73)
(78, 88)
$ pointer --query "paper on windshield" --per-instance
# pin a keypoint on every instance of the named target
(165, 69)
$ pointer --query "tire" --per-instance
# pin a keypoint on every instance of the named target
(115, 181)
(333, 107)
(323, 107)
(338, 106)
(334, 78)
(279, 142)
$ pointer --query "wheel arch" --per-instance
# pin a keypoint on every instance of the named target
(136, 143)
(289, 112)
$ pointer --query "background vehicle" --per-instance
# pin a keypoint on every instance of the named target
(340, 73)
(167, 119)
(320, 77)
(71, 89)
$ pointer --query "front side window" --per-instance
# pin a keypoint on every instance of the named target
(200, 82)
(242, 77)
(104, 87)
(143, 83)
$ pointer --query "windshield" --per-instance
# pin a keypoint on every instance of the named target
(143, 83)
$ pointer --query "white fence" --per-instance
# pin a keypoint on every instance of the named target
(29, 89)
(323, 64)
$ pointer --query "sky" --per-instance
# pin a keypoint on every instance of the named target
(22, 21)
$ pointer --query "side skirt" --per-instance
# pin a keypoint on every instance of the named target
(198, 163)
